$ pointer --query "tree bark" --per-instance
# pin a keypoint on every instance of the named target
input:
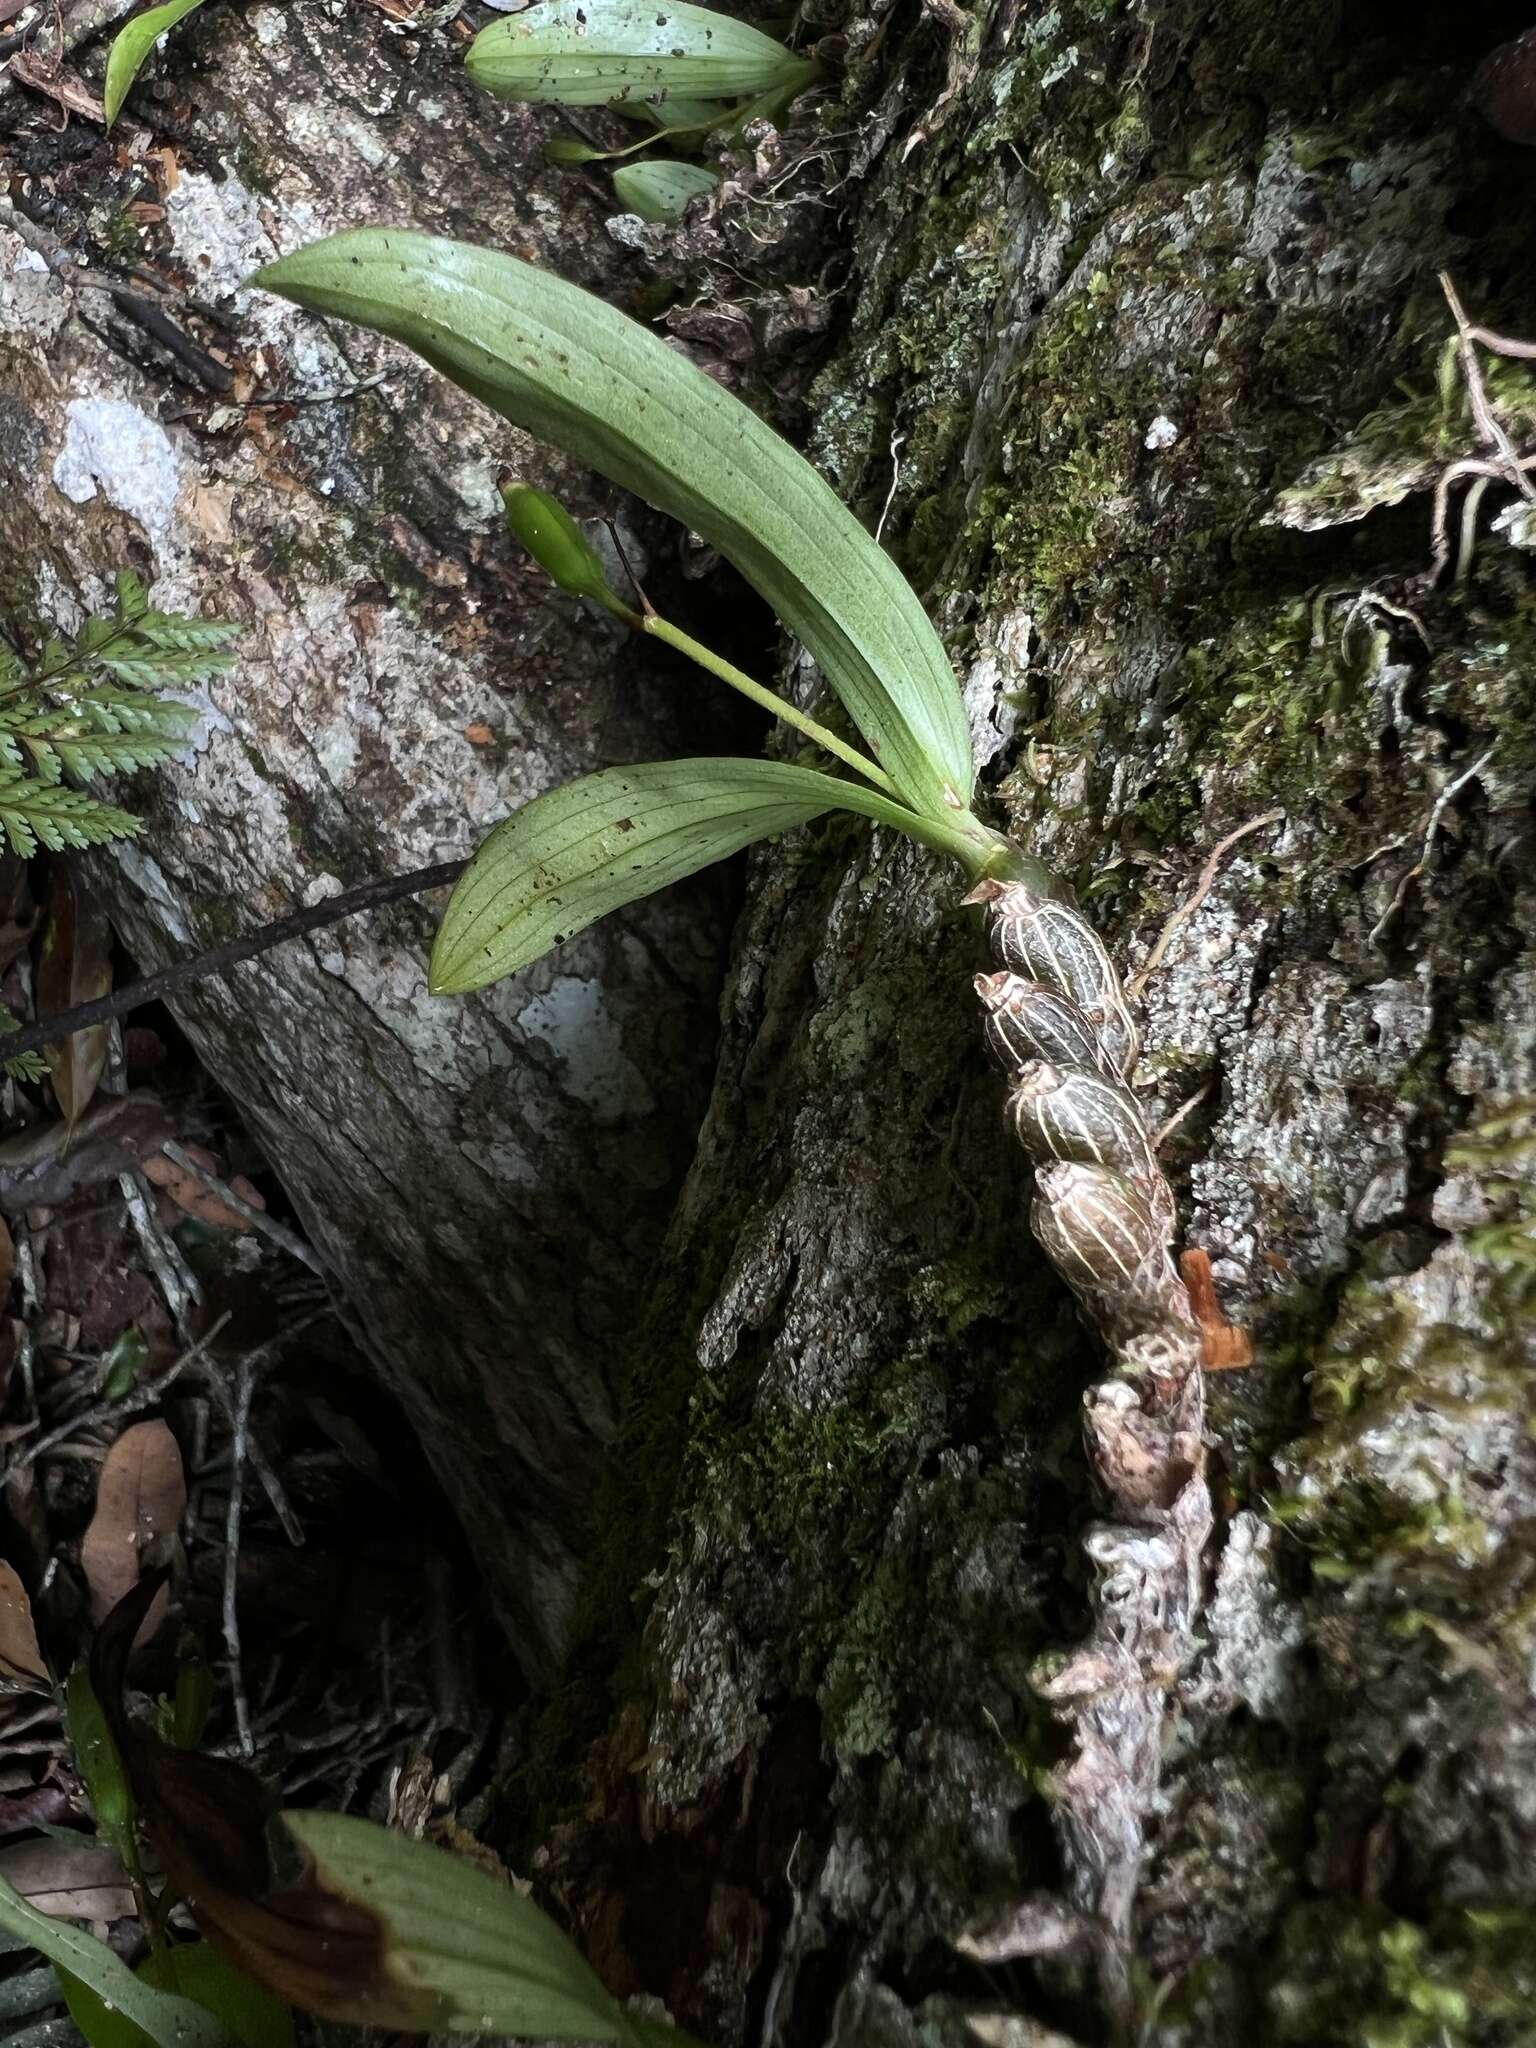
(487, 1179)
(1131, 298)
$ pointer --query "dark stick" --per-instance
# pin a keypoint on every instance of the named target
(197, 361)
(366, 896)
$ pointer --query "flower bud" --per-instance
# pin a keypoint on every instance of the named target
(559, 546)
(1028, 1021)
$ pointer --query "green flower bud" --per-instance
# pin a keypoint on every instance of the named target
(558, 545)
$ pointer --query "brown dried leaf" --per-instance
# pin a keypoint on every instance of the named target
(20, 1656)
(51, 1162)
(75, 967)
(70, 1882)
(200, 1202)
(141, 1495)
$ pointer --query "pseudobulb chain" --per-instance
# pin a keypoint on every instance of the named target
(1060, 1027)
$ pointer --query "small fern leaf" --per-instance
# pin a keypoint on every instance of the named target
(164, 668)
(37, 814)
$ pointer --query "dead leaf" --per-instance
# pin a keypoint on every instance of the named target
(141, 1495)
(30, 1806)
(20, 1656)
(47, 76)
(51, 1162)
(75, 967)
(479, 735)
(209, 511)
(69, 1882)
(199, 1202)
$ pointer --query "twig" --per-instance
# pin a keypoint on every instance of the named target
(1192, 903)
(1183, 1110)
(268, 1226)
(261, 1465)
(332, 396)
(150, 987)
(1446, 797)
(207, 370)
(128, 1404)
(178, 1283)
(244, 1385)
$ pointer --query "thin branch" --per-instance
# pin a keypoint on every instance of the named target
(245, 1380)
(151, 987)
(128, 1404)
(267, 1226)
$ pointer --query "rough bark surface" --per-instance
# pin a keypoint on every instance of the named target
(1146, 300)
(487, 1178)
(1152, 317)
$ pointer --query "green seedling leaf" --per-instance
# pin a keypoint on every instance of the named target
(124, 1363)
(560, 363)
(591, 846)
(661, 191)
(588, 53)
(559, 546)
(99, 1764)
(484, 1958)
(132, 47)
(80, 1959)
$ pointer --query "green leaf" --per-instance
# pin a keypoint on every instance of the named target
(133, 45)
(589, 53)
(658, 190)
(36, 813)
(667, 110)
(249, 2016)
(591, 846)
(170, 2022)
(99, 1764)
(558, 362)
(488, 1958)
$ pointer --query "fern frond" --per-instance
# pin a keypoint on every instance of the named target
(34, 813)
(27, 1066)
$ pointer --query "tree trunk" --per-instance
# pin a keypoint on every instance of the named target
(488, 1179)
(1131, 295)
(1131, 315)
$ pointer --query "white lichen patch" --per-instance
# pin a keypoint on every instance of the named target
(113, 448)
(572, 1016)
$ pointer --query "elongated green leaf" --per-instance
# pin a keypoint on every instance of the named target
(133, 45)
(589, 847)
(583, 53)
(557, 361)
(252, 2017)
(659, 190)
(487, 1957)
(170, 2022)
